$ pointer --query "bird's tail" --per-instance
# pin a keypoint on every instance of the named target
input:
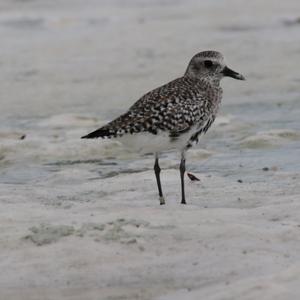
(99, 133)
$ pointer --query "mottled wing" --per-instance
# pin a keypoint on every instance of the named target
(174, 107)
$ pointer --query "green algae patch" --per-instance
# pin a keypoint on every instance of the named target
(47, 234)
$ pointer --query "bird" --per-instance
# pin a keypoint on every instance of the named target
(174, 115)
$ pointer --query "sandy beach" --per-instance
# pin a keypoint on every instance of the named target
(80, 219)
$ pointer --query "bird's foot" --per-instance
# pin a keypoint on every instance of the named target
(183, 201)
(162, 200)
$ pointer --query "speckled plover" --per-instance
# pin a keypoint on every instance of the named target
(174, 115)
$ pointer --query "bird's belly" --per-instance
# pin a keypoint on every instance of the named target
(146, 142)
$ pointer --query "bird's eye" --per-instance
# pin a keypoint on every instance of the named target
(208, 63)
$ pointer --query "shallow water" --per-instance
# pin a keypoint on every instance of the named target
(66, 71)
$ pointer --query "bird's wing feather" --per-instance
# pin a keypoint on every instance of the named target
(173, 107)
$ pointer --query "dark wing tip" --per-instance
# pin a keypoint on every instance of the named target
(99, 133)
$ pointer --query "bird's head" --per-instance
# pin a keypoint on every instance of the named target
(210, 65)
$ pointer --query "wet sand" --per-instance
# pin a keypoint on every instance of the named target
(81, 219)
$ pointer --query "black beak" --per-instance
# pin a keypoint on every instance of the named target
(230, 73)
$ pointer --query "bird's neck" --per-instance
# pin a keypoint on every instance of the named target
(208, 80)
(213, 80)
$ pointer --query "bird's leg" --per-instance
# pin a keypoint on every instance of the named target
(157, 175)
(182, 171)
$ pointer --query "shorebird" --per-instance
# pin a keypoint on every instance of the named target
(173, 116)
